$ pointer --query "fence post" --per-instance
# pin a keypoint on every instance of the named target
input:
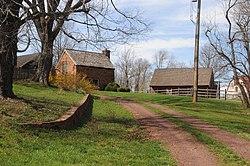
(225, 94)
(207, 93)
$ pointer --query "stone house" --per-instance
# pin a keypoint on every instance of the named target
(181, 78)
(97, 66)
(233, 90)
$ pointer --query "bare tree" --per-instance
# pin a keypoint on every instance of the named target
(101, 22)
(63, 42)
(142, 74)
(233, 44)
(160, 58)
(132, 72)
(164, 59)
(9, 26)
(124, 68)
(209, 58)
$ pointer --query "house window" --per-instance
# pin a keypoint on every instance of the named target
(236, 89)
(96, 82)
(65, 67)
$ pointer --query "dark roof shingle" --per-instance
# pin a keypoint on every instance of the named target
(93, 59)
(24, 59)
(180, 77)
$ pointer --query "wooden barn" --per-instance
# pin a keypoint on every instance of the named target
(26, 66)
(181, 78)
(97, 66)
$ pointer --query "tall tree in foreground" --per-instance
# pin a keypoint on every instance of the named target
(9, 26)
(99, 22)
(233, 44)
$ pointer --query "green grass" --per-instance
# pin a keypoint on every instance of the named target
(40, 103)
(228, 115)
(111, 137)
(224, 154)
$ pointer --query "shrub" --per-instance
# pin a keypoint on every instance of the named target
(78, 82)
(112, 87)
(123, 90)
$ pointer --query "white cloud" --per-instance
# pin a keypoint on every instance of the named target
(147, 49)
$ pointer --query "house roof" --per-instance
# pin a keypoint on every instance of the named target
(24, 59)
(93, 59)
(180, 77)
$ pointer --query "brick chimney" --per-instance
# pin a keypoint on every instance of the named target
(106, 52)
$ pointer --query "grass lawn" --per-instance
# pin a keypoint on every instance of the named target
(112, 137)
(228, 115)
(40, 103)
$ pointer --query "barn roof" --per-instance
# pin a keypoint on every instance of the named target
(180, 77)
(93, 59)
(24, 59)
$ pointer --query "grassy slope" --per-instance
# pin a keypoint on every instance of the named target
(228, 115)
(43, 103)
(111, 138)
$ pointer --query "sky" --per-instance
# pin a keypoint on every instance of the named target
(171, 25)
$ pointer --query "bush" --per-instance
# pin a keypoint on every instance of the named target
(123, 90)
(112, 87)
(77, 82)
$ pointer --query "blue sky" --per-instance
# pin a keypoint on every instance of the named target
(171, 27)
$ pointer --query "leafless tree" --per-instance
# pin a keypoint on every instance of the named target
(210, 59)
(101, 22)
(233, 44)
(124, 67)
(63, 42)
(142, 74)
(160, 58)
(9, 26)
(164, 59)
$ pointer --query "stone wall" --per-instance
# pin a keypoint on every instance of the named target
(73, 118)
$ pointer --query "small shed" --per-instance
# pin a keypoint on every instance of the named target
(173, 78)
(97, 66)
(26, 66)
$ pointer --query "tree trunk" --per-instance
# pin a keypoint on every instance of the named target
(44, 28)
(244, 98)
(44, 63)
(8, 47)
(7, 58)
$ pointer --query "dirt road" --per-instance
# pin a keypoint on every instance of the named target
(184, 147)
(186, 150)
